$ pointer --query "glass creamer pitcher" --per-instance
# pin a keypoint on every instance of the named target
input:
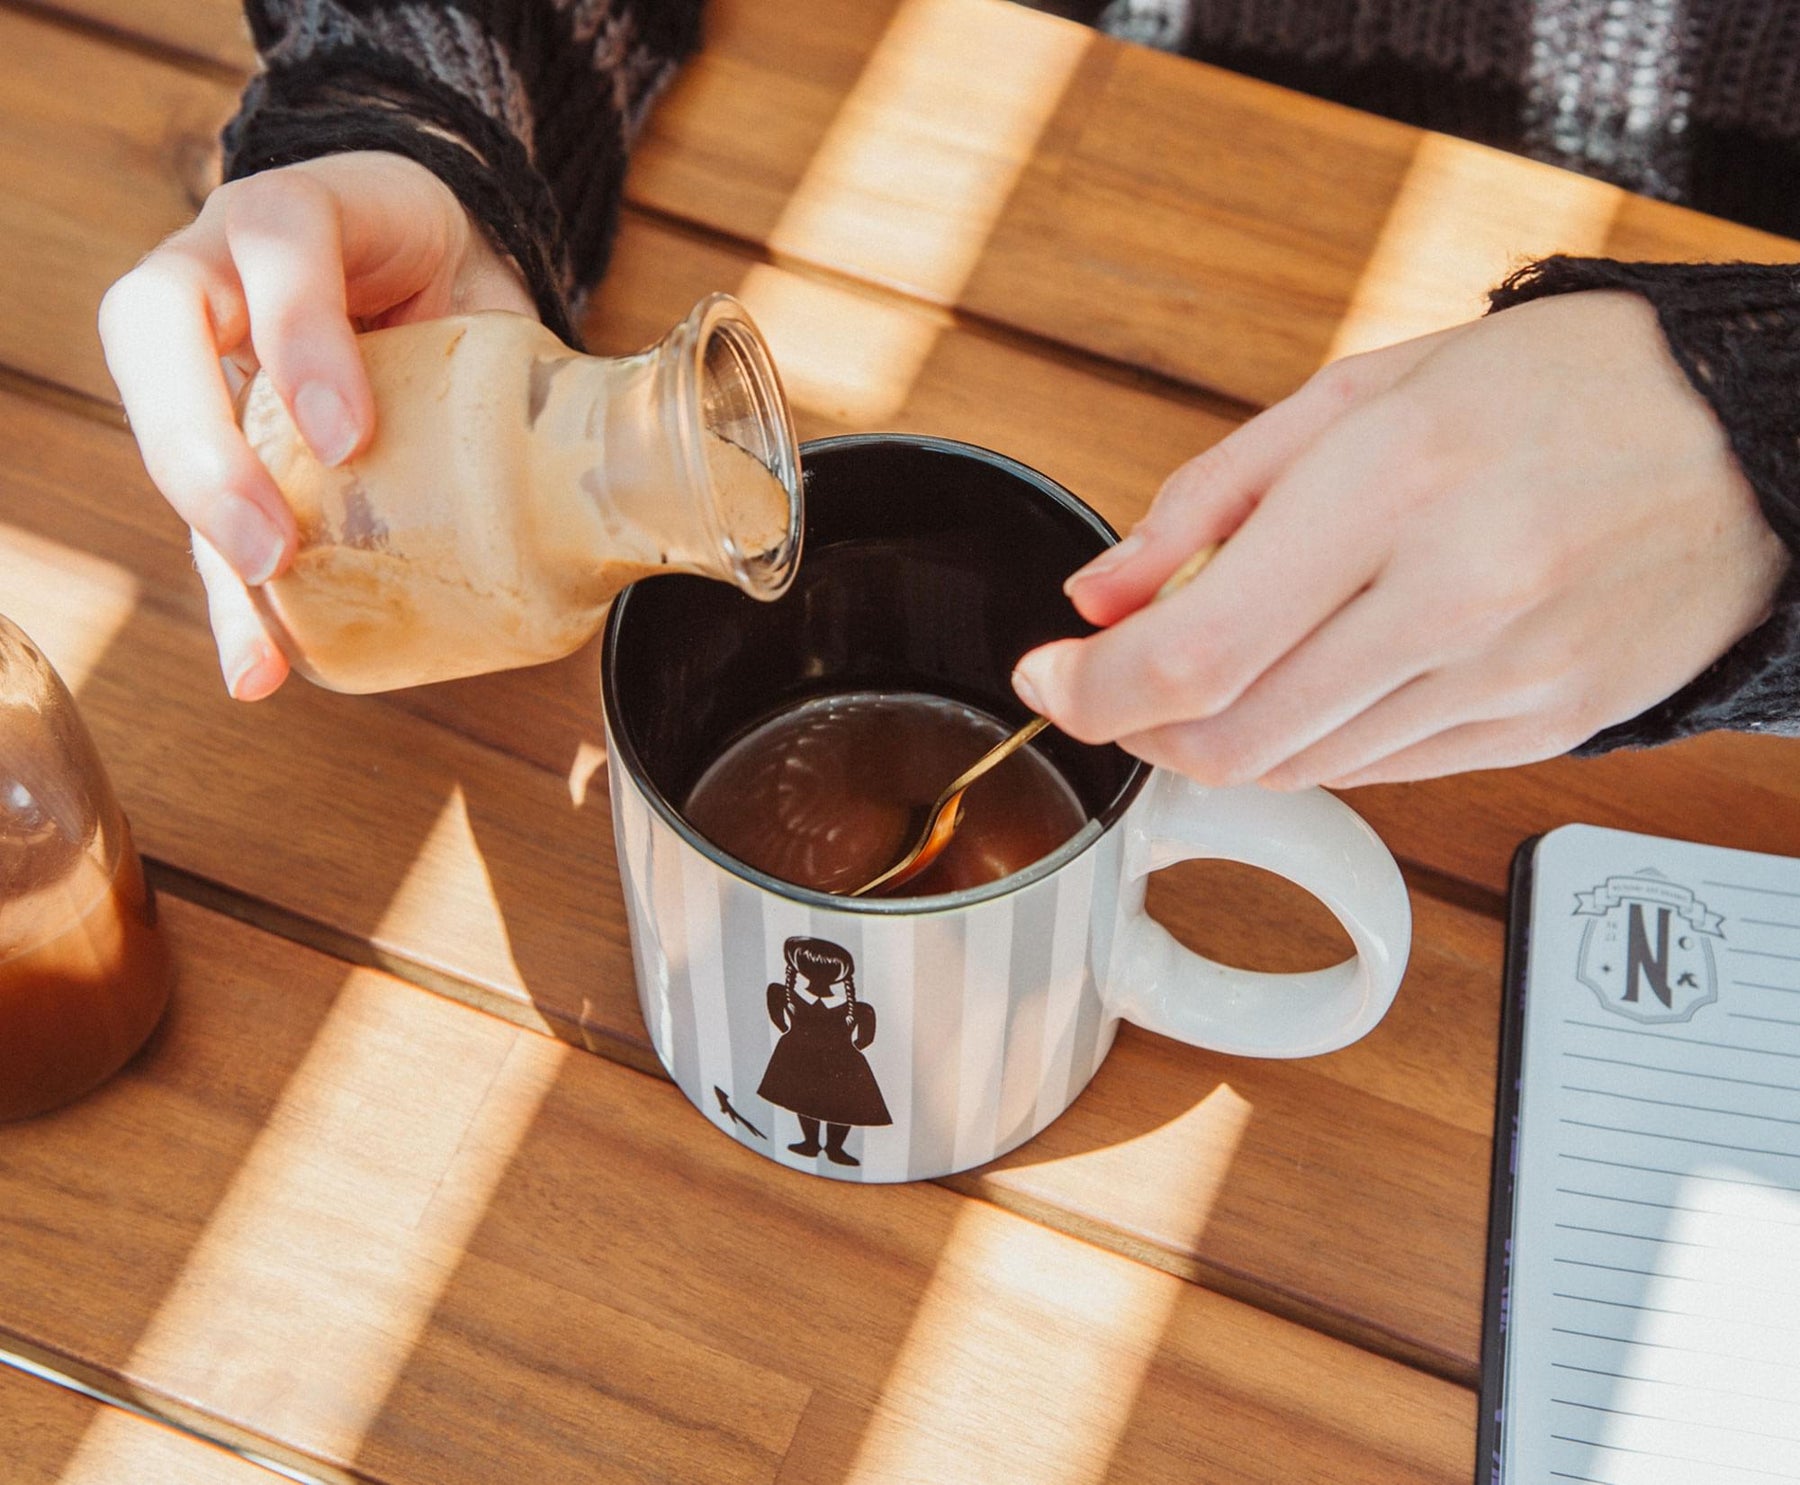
(513, 487)
(84, 971)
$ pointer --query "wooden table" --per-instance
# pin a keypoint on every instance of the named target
(398, 1192)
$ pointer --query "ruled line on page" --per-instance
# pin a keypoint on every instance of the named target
(1615, 1268)
(1663, 1170)
(1685, 1386)
(1642, 1345)
(1711, 1464)
(1763, 954)
(1759, 985)
(1748, 1433)
(1638, 1201)
(1678, 1104)
(1625, 1304)
(1670, 1103)
(1685, 1041)
(1682, 1072)
(1772, 1020)
(1641, 1237)
(1744, 887)
(1671, 1206)
(1663, 1273)
(1770, 922)
(1684, 1139)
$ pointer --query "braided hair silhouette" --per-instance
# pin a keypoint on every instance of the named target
(817, 1070)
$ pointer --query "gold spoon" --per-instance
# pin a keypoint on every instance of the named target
(946, 814)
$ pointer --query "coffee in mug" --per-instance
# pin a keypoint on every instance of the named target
(832, 792)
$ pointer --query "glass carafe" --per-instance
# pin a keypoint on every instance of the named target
(513, 487)
(84, 971)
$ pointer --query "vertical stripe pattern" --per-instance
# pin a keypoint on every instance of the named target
(937, 1039)
(986, 977)
(988, 1019)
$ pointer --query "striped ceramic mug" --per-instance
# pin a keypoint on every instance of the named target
(898, 1039)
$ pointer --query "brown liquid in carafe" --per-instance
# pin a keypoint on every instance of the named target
(74, 1008)
(832, 792)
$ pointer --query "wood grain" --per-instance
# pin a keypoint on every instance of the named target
(106, 151)
(1142, 207)
(378, 1232)
(1727, 789)
(1169, 214)
(57, 1437)
(209, 32)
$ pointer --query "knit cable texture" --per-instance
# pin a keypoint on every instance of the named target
(1734, 329)
(525, 110)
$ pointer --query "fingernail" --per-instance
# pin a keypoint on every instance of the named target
(325, 422)
(253, 676)
(1026, 689)
(1111, 560)
(248, 540)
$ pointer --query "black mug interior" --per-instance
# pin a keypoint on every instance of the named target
(928, 566)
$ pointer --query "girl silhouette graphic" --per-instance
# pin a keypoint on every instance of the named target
(817, 1070)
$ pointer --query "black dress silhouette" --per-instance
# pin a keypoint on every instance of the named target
(817, 1070)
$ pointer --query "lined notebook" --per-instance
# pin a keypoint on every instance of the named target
(1643, 1322)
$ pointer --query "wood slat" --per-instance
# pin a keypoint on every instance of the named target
(365, 823)
(57, 1437)
(106, 151)
(1727, 789)
(376, 1231)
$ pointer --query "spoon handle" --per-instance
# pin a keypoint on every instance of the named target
(1187, 572)
(942, 819)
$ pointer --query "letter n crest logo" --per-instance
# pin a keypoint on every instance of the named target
(1647, 947)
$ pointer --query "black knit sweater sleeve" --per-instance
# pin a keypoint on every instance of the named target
(524, 108)
(1734, 329)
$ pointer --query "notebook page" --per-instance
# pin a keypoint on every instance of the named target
(1654, 1328)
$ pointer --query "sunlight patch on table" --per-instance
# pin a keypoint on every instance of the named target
(1013, 1307)
(447, 892)
(125, 1449)
(310, 1287)
(917, 167)
(590, 758)
(1015, 1310)
(1464, 217)
(1165, 1180)
(71, 603)
(843, 355)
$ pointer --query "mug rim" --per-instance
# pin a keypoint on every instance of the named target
(621, 748)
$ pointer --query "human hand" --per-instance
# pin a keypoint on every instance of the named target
(1470, 550)
(281, 269)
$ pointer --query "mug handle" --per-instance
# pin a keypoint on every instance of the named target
(1315, 841)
